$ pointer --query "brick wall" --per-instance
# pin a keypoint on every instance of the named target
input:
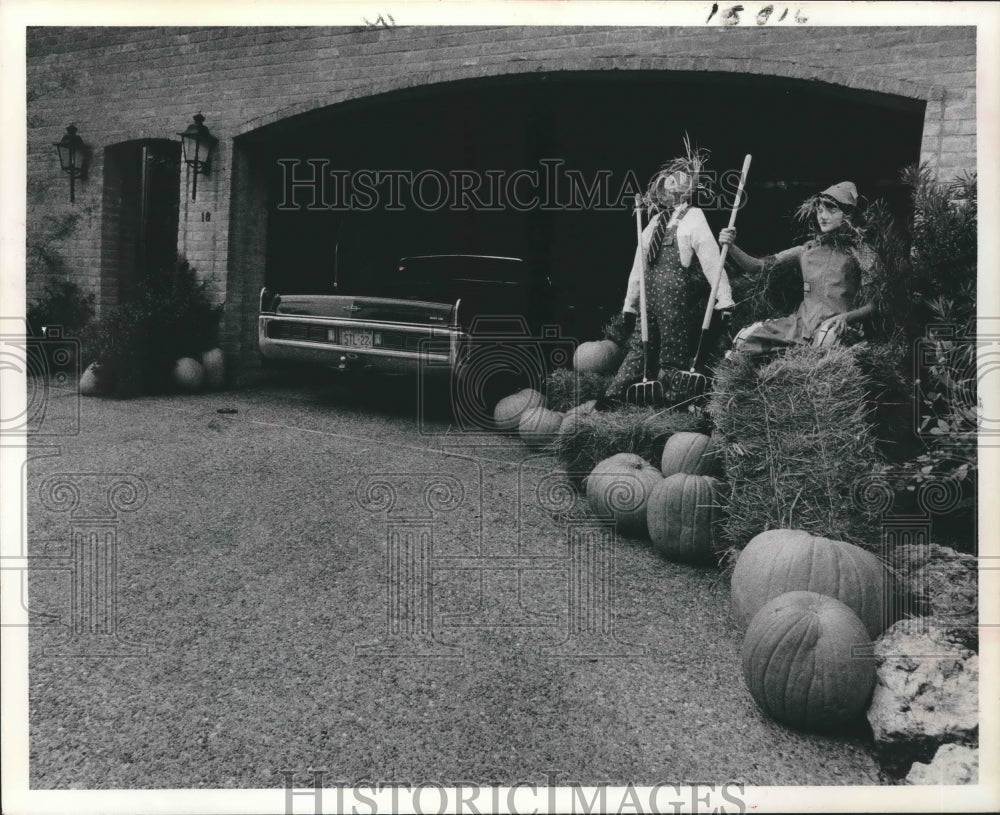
(131, 83)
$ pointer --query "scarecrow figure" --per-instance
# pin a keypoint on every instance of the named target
(682, 259)
(831, 267)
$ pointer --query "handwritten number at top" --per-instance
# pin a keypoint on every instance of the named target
(731, 15)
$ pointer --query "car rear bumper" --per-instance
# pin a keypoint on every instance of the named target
(395, 347)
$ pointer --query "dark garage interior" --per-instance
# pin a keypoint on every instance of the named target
(803, 137)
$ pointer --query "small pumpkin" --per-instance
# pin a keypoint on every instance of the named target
(214, 363)
(619, 487)
(90, 382)
(783, 560)
(598, 357)
(807, 661)
(188, 374)
(693, 453)
(507, 413)
(572, 417)
(682, 516)
(539, 426)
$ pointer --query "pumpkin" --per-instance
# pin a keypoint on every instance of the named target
(619, 487)
(693, 453)
(572, 417)
(188, 374)
(90, 383)
(599, 357)
(782, 560)
(507, 413)
(681, 517)
(808, 662)
(539, 426)
(214, 363)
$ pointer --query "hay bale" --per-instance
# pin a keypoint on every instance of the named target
(630, 429)
(888, 370)
(797, 441)
(565, 389)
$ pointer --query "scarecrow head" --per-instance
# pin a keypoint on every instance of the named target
(677, 181)
(835, 207)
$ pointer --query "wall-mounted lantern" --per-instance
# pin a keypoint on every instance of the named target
(72, 158)
(197, 143)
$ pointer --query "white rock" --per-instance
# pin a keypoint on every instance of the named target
(926, 691)
(941, 582)
(952, 764)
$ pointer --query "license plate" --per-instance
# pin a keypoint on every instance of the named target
(355, 338)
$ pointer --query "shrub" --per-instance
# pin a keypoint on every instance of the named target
(137, 343)
(62, 303)
(927, 285)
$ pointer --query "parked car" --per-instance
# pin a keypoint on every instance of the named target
(479, 319)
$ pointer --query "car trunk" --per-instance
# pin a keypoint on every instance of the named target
(379, 309)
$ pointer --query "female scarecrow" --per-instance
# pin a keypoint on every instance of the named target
(682, 259)
(831, 276)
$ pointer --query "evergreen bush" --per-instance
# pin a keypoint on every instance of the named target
(137, 343)
(64, 304)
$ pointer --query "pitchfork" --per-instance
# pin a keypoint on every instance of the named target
(649, 391)
(688, 385)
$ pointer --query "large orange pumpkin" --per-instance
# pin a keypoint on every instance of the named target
(507, 413)
(807, 661)
(539, 426)
(693, 453)
(682, 515)
(783, 560)
(599, 357)
(619, 487)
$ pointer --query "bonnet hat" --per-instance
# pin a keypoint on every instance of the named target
(844, 193)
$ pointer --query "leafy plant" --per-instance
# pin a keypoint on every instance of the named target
(927, 283)
(62, 303)
(137, 343)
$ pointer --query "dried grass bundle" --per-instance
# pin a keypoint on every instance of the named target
(565, 388)
(798, 440)
(630, 429)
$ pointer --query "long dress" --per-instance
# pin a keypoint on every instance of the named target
(831, 279)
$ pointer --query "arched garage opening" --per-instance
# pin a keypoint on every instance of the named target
(595, 132)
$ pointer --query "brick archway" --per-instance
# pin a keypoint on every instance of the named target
(825, 78)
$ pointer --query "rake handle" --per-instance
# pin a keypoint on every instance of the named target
(644, 325)
(725, 249)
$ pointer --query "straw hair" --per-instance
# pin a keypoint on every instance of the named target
(692, 163)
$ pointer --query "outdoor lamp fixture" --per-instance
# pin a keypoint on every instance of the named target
(72, 158)
(197, 143)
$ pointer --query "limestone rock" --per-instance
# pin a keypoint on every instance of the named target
(926, 693)
(942, 583)
(952, 764)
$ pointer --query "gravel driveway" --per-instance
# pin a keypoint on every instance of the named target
(269, 630)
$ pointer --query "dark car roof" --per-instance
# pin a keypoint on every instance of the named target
(476, 267)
